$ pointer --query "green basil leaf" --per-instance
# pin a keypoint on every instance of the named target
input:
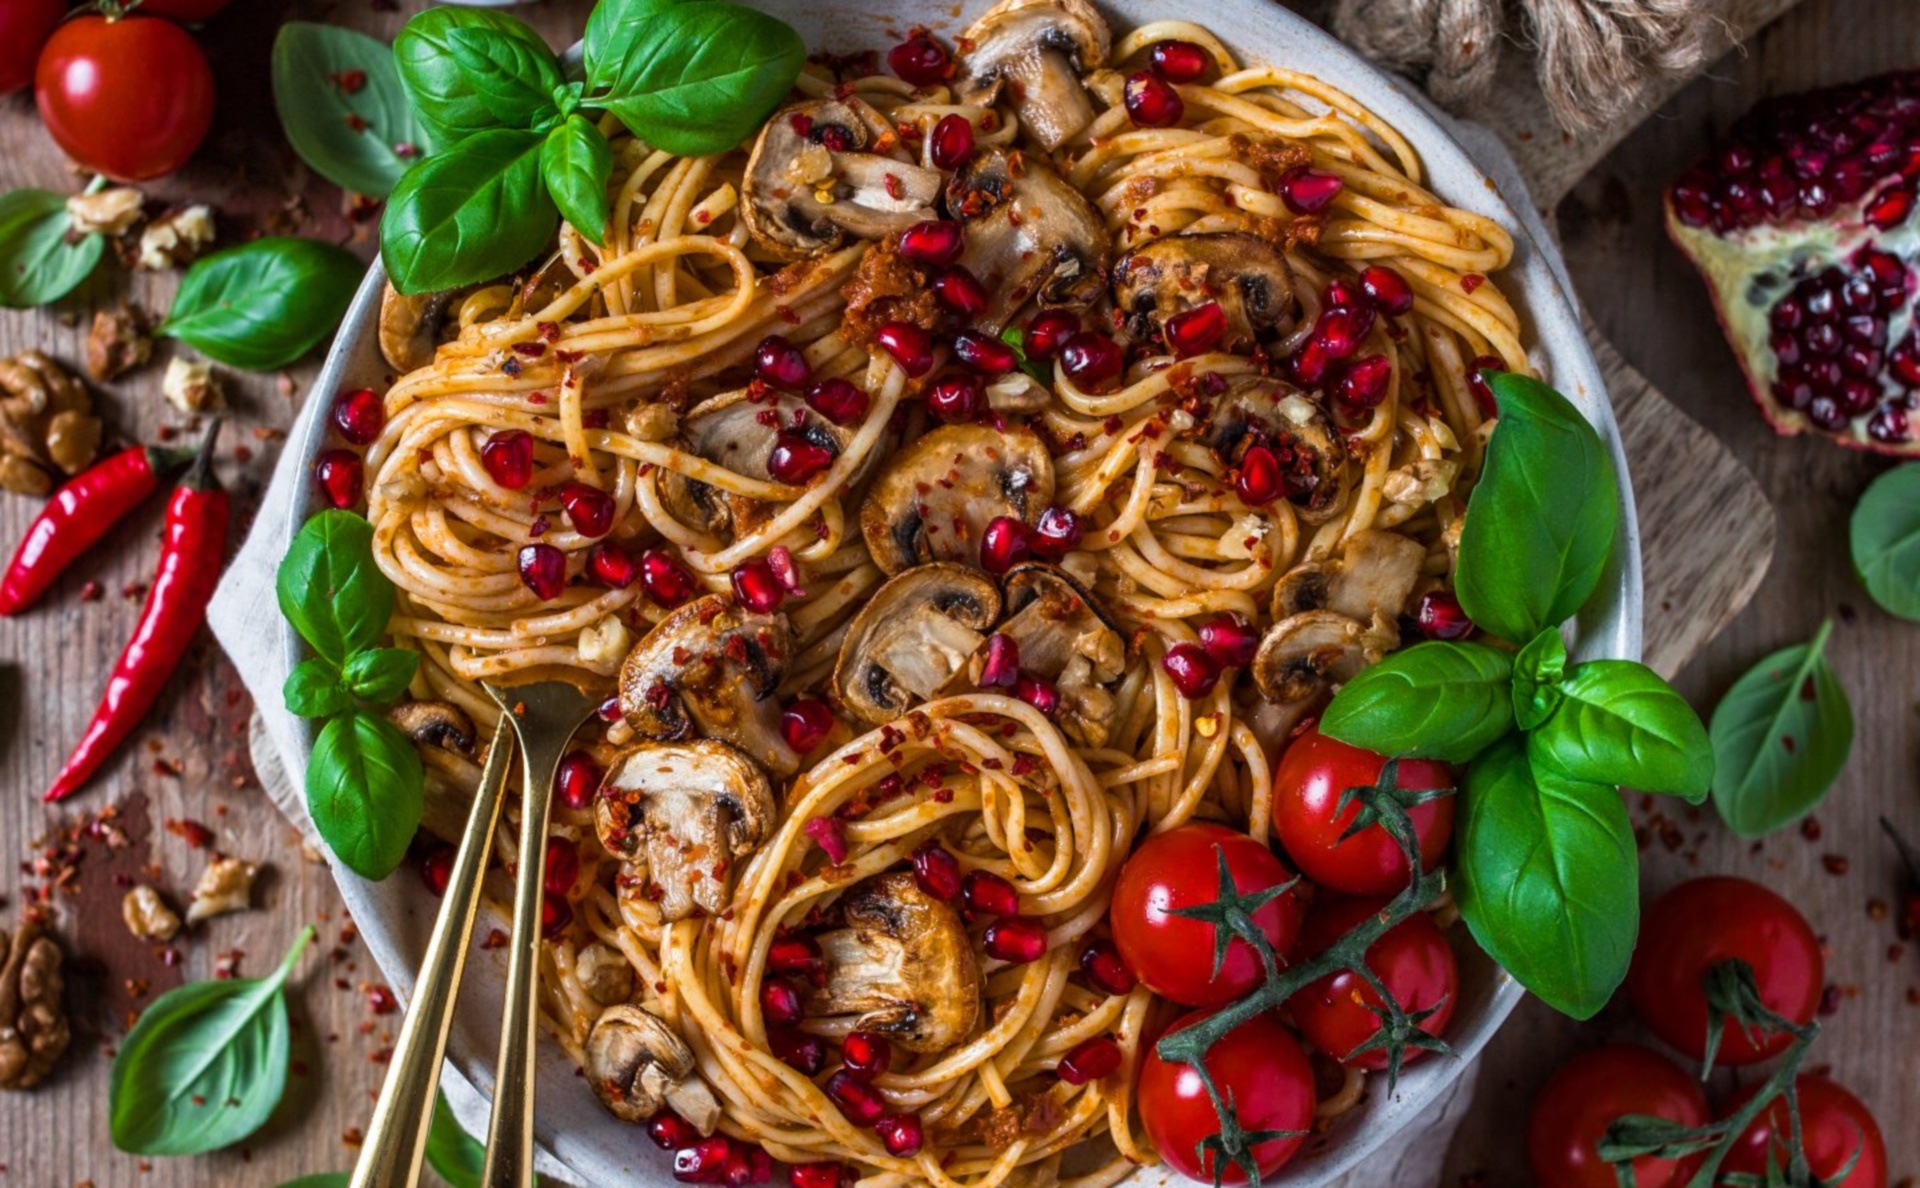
(364, 789)
(1619, 723)
(381, 675)
(443, 93)
(1542, 519)
(1780, 737)
(38, 265)
(1547, 879)
(1537, 671)
(1434, 700)
(314, 689)
(576, 162)
(613, 30)
(698, 77)
(262, 305)
(343, 107)
(205, 1065)
(471, 213)
(1885, 535)
(321, 1180)
(454, 1155)
(515, 78)
(331, 590)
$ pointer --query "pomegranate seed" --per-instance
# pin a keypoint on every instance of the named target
(1049, 331)
(1341, 331)
(1364, 384)
(666, 581)
(609, 711)
(909, 345)
(576, 779)
(956, 397)
(1197, 330)
(543, 569)
(786, 569)
(340, 475)
(1477, 372)
(1152, 102)
(1055, 534)
(1259, 481)
(988, 356)
(857, 1101)
(436, 869)
(1309, 364)
(838, 400)
(937, 871)
(900, 1134)
(1890, 426)
(1307, 191)
(1194, 670)
(1001, 668)
(780, 1002)
(704, 1161)
(1890, 209)
(359, 415)
(1343, 293)
(830, 834)
(1178, 61)
(921, 61)
(1003, 545)
(1090, 358)
(748, 1165)
(795, 955)
(1439, 616)
(1387, 291)
(795, 458)
(806, 723)
(1230, 640)
(612, 566)
(563, 867)
(961, 292)
(589, 509)
(936, 241)
(508, 458)
(1090, 1060)
(781, 364)
(865, 1054)
(1905, 361)
(1037, 693)
(987, 894)
(1100, 961)
(1015, 940)
(1858, 395)
(952, 141)
(670, 1131)
(756, 588)
(808, 1053)
(820, 1175)
(555, 916)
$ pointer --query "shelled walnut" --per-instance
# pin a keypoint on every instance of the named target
(226, 886)
(47, 426)
(33, 1020)
(118, 342)
(147, 915)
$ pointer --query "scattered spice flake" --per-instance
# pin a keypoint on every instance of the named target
(350, 81)
(1471, 281)
(192, 832)
(1836, 864)
(1810, 829)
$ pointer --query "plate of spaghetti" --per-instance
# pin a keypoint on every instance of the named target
(967, 493)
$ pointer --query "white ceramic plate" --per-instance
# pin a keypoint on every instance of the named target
(395, 918)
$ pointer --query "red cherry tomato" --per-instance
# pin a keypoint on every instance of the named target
(1260, 1066)
(1306, 795)
(1585, 1097)
(190, 12)
(1703, 922)
(1178, 869)
(25, 26)
(130, 98)
(1833, 1125)
(1414, 961)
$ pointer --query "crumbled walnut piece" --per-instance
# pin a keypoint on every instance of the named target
(177, 239)
(118, 343)
(47, 426)
(190, 386)
(226, 886)
(110, 212)
(147, 915)
(33, 1021)
(605, 644)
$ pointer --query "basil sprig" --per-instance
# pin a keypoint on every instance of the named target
(41, 260)
(365, 784)
(342, 106)
(1885, 539)
(518, 145)
(264, 304)
(1780, 737)
(1546, 861)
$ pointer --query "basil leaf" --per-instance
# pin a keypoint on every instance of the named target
(262, 305)
(343, 107)
(1619, 723)
(699, 77)
(471, 213)
(321, 1180)
(1542, 518)
(454, 1155)
(612, 31)
(381, 675)
(314, 689)
(1780, 737)
(1434, 700)
(330, 589)
(38, 265)
(364, 789)
(1547, 879)
(515, 78)
(1537, 672)
(205, 1065)
(1885, 535)
(444, 96)
(576, 162)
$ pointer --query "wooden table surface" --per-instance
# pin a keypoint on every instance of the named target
(189, 765)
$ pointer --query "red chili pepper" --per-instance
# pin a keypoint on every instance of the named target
(79, 514)
(194, 544)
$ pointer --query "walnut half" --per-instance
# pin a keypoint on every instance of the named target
(47, 426)
(147, 915)
(226, 886)
(33, 1022)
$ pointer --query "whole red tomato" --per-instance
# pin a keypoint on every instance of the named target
(1178, 869)
(1833, 1125)
(1413, 960)
(1700, 924)
(25, 26)
(1585, 1097)
(1313, 774)
(190, 12)
(1260, 1067)
(131, 98)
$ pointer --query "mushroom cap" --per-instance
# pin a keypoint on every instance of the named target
(870, 187)
(1245, 274)
(1261, 410)
(1373, 572)
(1300, 654)
(411, 327)
(712, 667)
(738, 431)
(638, 1065)
(1065, 637)
(903, 964)
(935, 496)
(684, 806)
(1038, 48)
(1030, 235)
(912, 638)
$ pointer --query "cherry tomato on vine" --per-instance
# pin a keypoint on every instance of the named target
(1587, 1094)
(1313, 774)
(1413, 960)
(130, 97)
(1700, 924)
(1260, 1067)
(1179, 869)
(1833, 1125)
(190, 12)
(25, 26)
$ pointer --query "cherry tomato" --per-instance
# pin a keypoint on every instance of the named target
(25, 26)
(1306, 795)
(1833, 1125)
(130, 98)
(1260, 1066)
(190, 12)
(1178, 869)
(1703, 922)
(1414, 961)
(1585, 1097)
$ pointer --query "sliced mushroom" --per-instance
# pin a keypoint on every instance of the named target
(827, 169)
(903, 965)
(912, 638)
(1259, 410)
(936, 495)
(712, 667)
(444, 735)
(638, 1066)
(1038, 50)
(604, 972)
(1374, 572)
(738, 431)
(688, 809)
(435, 724)
(1064, 637)
(1245, 274)
(1030, 235)
(412, 328)
(1300, 654)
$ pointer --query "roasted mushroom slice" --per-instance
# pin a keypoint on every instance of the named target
(739, 431)
(936, 495)
(434, 724)
(604, 972)
(1299, 655)
(1064, 637)
(1245, 274)
(912, 637)
(713, 667)
(902, 965)
(443, 734)
(1373, 572)
(1259, 411)
(827, 169)
(639, 1066)
(1036, 49)
(1030, 235)
(687, 809)
(413, 327)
